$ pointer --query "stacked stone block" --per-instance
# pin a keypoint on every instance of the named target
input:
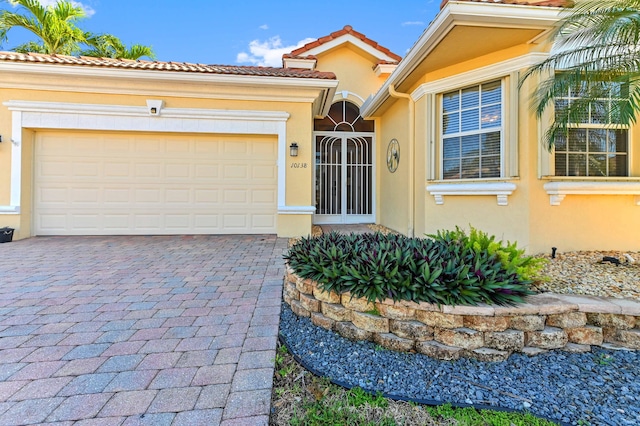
(486, 333)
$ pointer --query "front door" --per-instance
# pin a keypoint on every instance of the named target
(344, 177)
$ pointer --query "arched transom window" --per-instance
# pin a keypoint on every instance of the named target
(343, 117)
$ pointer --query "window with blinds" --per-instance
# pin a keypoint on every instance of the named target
(591, 147)
(472, 132)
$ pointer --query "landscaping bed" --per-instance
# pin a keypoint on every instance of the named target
(594, 388)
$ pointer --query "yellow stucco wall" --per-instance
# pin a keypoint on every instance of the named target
(393, 201)
(299, 127)
(580, 222)
(354, 70)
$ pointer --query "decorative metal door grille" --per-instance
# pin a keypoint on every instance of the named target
(344, 178)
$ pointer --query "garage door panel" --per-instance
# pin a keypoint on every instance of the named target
(239, 196)
(148, 146)
(116, 223)
(262, 197)
(263, 172)
(52, 195)
(116, 169)
(149, 170)
(207, 196)
(206, 171)
(85, 196)
(147, 184)
(54, 168)
(178, 171)
(86, 169)
(236, 171)
(178, 196)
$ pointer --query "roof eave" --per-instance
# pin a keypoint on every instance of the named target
(325, 87)
(456, 13)
(157, 75)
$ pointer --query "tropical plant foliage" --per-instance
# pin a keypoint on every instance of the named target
(449, 268)
(56, 31)
(110, 46)
(595, 54)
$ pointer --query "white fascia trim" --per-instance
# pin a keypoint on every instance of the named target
(516, 16)
(559, 190)
(500, 189)
(300, 210)
(68, 116)
(307, 64)
(454, 13)
(383, 69)
(486, 73)
(348, 38)
(141, 111)
(177, 76)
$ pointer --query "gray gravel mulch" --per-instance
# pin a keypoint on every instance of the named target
(597, 388)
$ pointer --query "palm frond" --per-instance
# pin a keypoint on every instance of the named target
(597, 44)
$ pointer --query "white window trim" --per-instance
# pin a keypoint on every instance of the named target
(431, 90)
(70, 116)
(502, 129)
(511, 68)
(558, 187)
(559, 190)
(500, 189)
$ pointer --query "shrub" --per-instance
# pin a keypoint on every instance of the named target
(447, 268)
(527, 267)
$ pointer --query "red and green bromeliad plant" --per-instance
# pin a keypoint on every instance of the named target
(449, 268)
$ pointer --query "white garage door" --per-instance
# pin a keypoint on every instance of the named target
(149, 184)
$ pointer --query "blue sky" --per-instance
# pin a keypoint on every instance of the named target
(249, 32)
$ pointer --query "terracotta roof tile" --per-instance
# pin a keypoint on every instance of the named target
(290, 56)
(344, 31)
(548, 3)
(163, 66)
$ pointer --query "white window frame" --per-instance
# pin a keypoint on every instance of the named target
(558, 187)
(502, 129)
(594, 126)
(507, 70)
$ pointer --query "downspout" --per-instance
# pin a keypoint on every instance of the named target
(412, 149)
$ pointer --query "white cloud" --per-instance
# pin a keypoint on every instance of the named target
(264, 27)
(268, 53)
(87, 9)
(405, 24)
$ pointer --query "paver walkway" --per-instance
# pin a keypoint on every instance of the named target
(347, 229)
(175, 330)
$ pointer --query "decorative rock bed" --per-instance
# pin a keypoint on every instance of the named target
(487, 333)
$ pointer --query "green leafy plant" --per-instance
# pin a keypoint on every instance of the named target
(373, 311)
(449, 268)
(527, 267)
(603, 359)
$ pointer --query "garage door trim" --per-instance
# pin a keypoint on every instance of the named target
(72, 116)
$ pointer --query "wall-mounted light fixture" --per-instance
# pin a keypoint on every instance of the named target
(154, 106)
(293, 149)
(0, 138)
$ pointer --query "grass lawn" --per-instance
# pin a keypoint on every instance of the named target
(300, 398)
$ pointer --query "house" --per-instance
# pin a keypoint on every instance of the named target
(346, 132)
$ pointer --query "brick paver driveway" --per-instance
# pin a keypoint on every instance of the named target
(177, 330)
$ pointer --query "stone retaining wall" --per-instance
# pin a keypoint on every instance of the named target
(487, 333)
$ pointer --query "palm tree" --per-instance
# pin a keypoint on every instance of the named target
(54, 26)
(110, 46)
(596, 56)
(57, 32)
